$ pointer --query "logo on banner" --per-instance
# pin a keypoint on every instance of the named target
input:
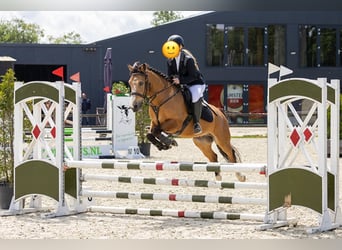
(124, 112)
(234, 98)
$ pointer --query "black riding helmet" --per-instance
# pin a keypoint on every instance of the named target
(176, 38)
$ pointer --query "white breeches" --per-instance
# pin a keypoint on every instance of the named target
(197, 92)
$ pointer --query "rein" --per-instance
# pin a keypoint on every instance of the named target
(150, 99)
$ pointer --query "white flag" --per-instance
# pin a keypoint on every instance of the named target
(272, 68)
(284, 71)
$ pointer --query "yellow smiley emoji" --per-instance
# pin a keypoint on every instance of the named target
(170, 49)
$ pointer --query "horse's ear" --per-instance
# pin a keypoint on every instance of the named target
(130, 67)
(143, 67)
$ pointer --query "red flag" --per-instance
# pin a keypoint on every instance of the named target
(59, 72)
(76, 77)
(106, 89)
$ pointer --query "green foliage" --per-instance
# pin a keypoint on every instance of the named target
(68, 38)
(142, 123)
(6, 124)
(161, 17)
(17, 31)
(120, 88)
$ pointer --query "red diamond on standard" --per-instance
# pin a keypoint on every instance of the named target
(295, 137)
(36, 131)
(53, 132)
(308, 134)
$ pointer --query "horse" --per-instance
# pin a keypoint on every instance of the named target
(170, 116)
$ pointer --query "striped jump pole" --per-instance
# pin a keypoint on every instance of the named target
(174, 197)
(169, 166)
(70, 131)
(177, 213)
(175, 182)
(70, 139)
(89, 139)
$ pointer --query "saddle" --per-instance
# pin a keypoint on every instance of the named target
(207, 113)
(163, 141)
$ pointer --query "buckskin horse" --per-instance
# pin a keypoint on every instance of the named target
(171, 117)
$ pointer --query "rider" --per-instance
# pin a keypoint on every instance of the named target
(184, 70)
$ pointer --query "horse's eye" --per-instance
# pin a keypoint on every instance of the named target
(141, 83)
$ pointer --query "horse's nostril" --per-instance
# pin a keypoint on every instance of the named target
(135, 107)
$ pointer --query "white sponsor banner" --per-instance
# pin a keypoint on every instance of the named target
(123, 131)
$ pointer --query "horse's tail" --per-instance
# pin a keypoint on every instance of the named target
(236, 154)
(237, 157)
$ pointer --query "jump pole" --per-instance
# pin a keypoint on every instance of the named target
(178, 213)
(174, 182)
(169, 166)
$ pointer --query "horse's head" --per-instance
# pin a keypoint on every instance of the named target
(138, 84)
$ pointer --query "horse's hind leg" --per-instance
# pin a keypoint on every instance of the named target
(228, 152)
(204, 144)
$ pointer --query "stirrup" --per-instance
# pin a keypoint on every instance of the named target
(197, 128)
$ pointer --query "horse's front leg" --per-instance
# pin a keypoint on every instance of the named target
(153, 135)
(160, 139)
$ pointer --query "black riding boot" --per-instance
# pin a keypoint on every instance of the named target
(197, 108)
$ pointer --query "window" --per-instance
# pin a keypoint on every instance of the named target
(340, 48)
(231, 46)
(276, 44)
(327, 53)
(236, 46)
(215, 44)
(308, 45)
(318, 46)
(255, 48)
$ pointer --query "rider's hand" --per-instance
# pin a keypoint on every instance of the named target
(176, 80)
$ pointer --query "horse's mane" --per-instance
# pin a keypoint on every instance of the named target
(158, 72)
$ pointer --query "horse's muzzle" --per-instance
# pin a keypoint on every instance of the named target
(136, 105)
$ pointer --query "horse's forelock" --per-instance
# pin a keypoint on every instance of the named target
(138, 68)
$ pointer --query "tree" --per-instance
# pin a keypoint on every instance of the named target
(160, 17)
(6, 124)
(68, 38)
(17, 31)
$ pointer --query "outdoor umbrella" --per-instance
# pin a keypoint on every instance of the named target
(107, 76)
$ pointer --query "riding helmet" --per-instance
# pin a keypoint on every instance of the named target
(176, 38)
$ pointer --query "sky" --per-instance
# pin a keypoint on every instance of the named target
(91, 25)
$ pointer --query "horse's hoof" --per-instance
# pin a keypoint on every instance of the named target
(174, 143)
(218, 177)
(241, 177)
(166, 147)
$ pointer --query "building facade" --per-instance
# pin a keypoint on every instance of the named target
(233, 50)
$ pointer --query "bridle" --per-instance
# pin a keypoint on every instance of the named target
(150, 99)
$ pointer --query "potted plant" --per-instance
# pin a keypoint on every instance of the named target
(120, 89)
(142, 126)
(6, 138)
